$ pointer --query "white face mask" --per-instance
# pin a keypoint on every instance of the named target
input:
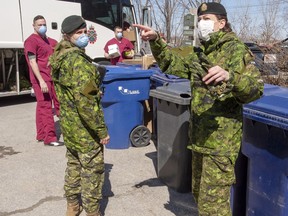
(42, 30)
(119, 35)
(205, 28)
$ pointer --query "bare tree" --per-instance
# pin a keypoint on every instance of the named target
(271, 24)
(244, 25)
(167, 14)
(139, 4)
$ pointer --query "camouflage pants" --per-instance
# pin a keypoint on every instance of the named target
(84, 176)
(212, 177)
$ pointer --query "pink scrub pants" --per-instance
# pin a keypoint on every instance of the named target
(44, 114)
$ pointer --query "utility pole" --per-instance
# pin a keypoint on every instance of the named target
(189, 28)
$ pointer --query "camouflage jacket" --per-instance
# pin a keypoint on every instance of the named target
(216, 111)
(77, 86)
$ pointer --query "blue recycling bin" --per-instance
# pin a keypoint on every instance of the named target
(124, 90)
(238, 190)
(265, 143)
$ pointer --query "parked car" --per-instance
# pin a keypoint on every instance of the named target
(265, 62)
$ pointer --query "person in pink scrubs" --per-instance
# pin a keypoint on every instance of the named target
(38, 48)
(124, 47)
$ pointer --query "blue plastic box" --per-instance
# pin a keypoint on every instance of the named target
(265, 143)
(124, 90)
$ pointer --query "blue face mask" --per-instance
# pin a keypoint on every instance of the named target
(82, 41)
(42, 30)
(119, 35)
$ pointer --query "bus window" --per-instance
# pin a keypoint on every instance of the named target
(103, 12)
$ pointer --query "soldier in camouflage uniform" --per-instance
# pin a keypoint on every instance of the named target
(81, 118)
(222, 80)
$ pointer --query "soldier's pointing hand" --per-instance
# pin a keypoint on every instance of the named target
(147, 33)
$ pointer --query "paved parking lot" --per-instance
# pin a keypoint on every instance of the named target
(32, 174)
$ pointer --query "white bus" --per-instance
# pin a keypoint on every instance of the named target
(16, 18)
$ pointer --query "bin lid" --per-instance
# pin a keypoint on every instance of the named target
(125, 72)
(123, 64)
(271, 108)
(178, 93)
(159, 76)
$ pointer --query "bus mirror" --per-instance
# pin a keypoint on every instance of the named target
(146, 16)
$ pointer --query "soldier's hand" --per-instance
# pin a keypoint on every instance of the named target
(147, 33)
(215, 75)
(105, 140)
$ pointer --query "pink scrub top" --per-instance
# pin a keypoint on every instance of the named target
(124, 45)
(42, 48)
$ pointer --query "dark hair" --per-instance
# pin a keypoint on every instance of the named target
(37, 18)
(117, 27)
(227, 27)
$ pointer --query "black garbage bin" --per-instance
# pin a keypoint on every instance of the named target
(173, 157)
(159, 79)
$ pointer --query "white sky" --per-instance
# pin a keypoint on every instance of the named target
(236, 8)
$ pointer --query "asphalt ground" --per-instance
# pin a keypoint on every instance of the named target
(32, 175)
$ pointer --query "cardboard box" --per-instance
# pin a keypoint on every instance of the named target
(113, 50)
(130, 35)
(133, 61)
(146, 61)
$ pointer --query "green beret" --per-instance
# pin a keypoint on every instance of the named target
(211, 8)
(72, 23)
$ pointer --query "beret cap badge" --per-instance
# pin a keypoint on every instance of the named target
(204, 7)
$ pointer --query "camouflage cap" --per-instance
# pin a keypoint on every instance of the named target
(72, 23)
(211, 8)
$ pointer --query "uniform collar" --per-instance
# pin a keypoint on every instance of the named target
(216, 41)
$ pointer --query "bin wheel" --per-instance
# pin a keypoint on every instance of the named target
(140, 136)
